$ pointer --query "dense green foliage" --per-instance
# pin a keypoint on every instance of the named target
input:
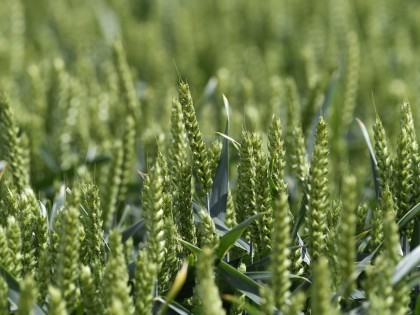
(130, 185)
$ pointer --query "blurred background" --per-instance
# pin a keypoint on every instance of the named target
(293, 58)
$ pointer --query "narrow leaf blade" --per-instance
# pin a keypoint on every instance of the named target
(232, 277)
(236, 279)
(249, 308)
(14, 290)
(176, 287)
(372, 155)
(219, 190)
(406, 265)
(409, 216)
(138, 229)
(299, 219)
(173, 307)
(230, 238)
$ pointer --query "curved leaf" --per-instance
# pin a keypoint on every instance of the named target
(222, 229)
(59, 202)
(409, 216)
(219, 190)
(415, 236)
(268, 275)
(240, 243)
(194, 249)
(249, 308)
(232, 277)
(299, 219)
(259, 265)
(14, 291)
(173, 307)
(138, 229)
(372, 156)
(323, 110)
(235, 143)
(413, 280)
(3, 166)
(231, 237)
(237, 280)
(179, 282)
(131, 270)
(406, 265)
(209, 92)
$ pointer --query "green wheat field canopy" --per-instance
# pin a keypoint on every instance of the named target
(209, 157)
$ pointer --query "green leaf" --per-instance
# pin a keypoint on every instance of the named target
(230, 238)
(367, 139)
(97, 159)
(409, 216)
(10, 279)
(268, 275)
(415, 236)
(417, 309)
(221, 228)
(361, 236)
(358, 295)
(323, 110)
(3, 166)
(219, 190)
(299, 219)
(235, 143)
(138, 230)
(360, 310)
(406, 265)
(131, 270)
(194, 249)
(232, 277)
(14, 290)
(413, 280)
(177, 285)
(249, 308)
(209, 92)
(59, 202)
(372, 156)
(49, 161)
(237, 280)
(259, 265)
(173, 307)
(361, 265)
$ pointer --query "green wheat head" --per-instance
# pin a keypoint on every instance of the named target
(207, 290)
(145, 280)
(382, 154)
(114, 284)
(11, 145)
(317, 192)
(245, 198)
(153, 213)
(346, 251)
(198, 149)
